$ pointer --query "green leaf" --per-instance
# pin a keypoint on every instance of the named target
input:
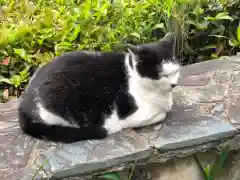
(22, 53)
(210, 46)
(223, 15)
(238, 33)
(203, 171)
(135, 34)
(210, 18)
(219, 164)
(206, 170)
(233, 42)
(75, 33)
(159, 26)
(4, 52)
(5, 80)
(220, 16)
(112, 176)
(24, 74)
(16, 80)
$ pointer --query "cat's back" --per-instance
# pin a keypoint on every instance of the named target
(79, 76)
(82, 65)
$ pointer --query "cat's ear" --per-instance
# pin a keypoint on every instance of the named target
(167, 44)
(139, 52)
(132, 49)
(170, 35)
(168, 40)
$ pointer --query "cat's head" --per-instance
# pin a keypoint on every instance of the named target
(154, 64)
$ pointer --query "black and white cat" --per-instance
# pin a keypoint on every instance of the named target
(90, 95)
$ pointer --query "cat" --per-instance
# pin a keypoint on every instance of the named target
(85, 95)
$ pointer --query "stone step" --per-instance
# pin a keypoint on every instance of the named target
(205, 114)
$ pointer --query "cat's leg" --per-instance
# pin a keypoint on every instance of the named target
(138, 119)
(141, 118)
(158, 118)
(112, 124)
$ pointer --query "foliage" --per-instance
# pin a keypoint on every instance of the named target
(210, 29)
(112, 176)
(211, 171)
(33, 32)
(40, 168)
(116, 176)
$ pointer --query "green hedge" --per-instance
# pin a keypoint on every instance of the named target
(33, 32)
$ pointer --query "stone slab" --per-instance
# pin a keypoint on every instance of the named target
(65, 160)
(184, 128)
(15, 148)
(26, 173)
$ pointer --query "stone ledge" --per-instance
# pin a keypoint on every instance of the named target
(182, 130)
(205, 115)
(89, 156)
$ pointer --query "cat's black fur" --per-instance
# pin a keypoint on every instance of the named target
(83, 88)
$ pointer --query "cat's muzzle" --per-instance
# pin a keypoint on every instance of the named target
(173, 86)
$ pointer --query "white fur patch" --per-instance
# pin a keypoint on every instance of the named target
(112, 123)
(170, 75)
(153, 98)
(169, 68)
(52, 119)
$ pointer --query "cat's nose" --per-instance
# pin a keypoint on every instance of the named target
(173, 85)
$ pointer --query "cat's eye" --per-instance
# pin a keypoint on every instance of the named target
(166, 76)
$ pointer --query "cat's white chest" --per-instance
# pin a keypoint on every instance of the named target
(152, 108)
(154, 101)
(167, 102)
(152, 104)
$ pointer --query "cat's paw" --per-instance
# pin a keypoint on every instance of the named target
(112, 125)
(113, 129)
(169, 106)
